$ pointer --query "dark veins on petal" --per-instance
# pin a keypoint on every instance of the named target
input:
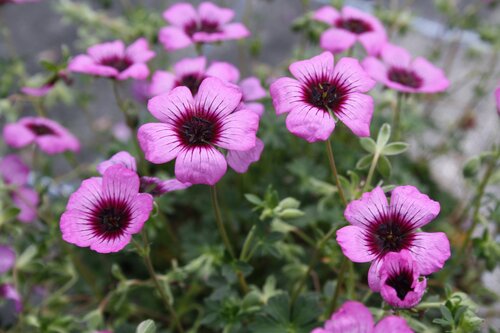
(204, 26)
(401, 282)
(405, 77)
(198, 128)
(110, 218)
(326, 93)
(118, 63)
(356, 26)
(390, 233)
(40, 129)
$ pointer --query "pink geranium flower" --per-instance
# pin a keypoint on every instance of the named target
(13, 171)
(378, 228)
(320, 92)
(354, 317)
(104, 213)
(192, 128)
(348, 27)
(3, 2)
(208, 24)
(9, 292)
(400, 282)
(48, 135)
(398, 71)
(7, 258)
(113, 60)
(152, 185)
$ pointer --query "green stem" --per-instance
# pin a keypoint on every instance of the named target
(477, 202)
(199, 49)
(225, 238)
(397, 116)
(144, 252)
(333, 167)
(428, 305)
(340, 281)
(371, 171)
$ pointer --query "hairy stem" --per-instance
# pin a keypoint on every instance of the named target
(333, 167)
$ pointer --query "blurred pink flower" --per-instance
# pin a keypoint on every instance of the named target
(208, 24)
(121, 132)
(321, 92)
(104, 213)
(113, 60)
(7, 258)
(152, 185)
(190, 129)
(48, 135)
(3, 2)
(378, 228)
(9, 292)
(38, 91)
(354, 317)
(398, 71)
(400, 282)
(349, 26)
(13, 171)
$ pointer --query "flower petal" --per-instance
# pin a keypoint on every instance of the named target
(252, 89)
(85, 64)
(27, 200)
(159, 142)
(327, 14)
(434, 78)
(412, 206)
(162, 82)
(352, 317)
(224, 71)
(180, 14)
(137, 71)
(122, 158)
(238, 130)
(392, 324)
(337, 40)
(375, 68)
(320, 66)
(173, 38)
(373, 42)
(241, 160)
(234, 31)
(257, 108)
(139, 51)
(13, 170)
(286, 93)
(141, 208)
(217, 97)
(310, 123)
(395, 56)
(430, 250)
(119, 182)
(356, 113)
(7, 258)
(352, 242)
(349, 72)
(170, 107)
(17, 135)
(190, 66)
(200, 165)
(367, 210)
(211, 13)
(114, 49)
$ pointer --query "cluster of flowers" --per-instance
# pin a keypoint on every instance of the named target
(203, 110)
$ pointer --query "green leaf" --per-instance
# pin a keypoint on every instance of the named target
(384, 166)
(253, 199)
(395, 148)
(289, 202)
(471, 167)
(383, 136)
(26, 257)
(446, 313)
(368, 144)
(147, 326)
(364, 162)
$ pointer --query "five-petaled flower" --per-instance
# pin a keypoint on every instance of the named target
(354, 317)
(349, 26)
(104, 213)
(398, 71)
(191, 129)
(378, 228)
(400, 283)
(113, 60)
(208, 24)
(321, 92)
(48, 135)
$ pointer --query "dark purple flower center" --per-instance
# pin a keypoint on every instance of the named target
(40, 129)
(205, 26)
(191, 81)
(401, 282)
(111, 218)
(198, 129)
(405, 77)
(390, 234)
(118, 63)
(356, 26)
(326, 95)
(151, 186)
